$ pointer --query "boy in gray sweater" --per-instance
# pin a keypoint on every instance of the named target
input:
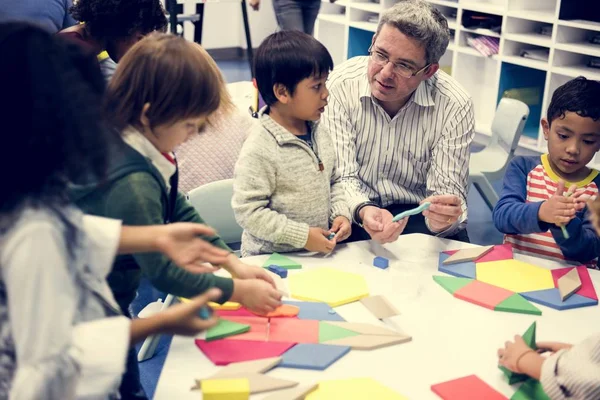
(287, 194)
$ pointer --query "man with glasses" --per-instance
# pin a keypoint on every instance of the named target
(402, 129)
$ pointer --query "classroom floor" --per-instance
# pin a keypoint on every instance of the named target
(481, 231)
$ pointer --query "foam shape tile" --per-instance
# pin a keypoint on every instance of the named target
(551, 298)
(292, 394)
(313, 356)
(370, 342)
(260, 383)
(258, 328)
(328, 285)
(226, 328)
(224, 352)
(225, 389)
(228, 305)
(467, 387)
(518, 304)
(587, 287)
(365, 329)
(568, 284)
(294, 330)
(483, 294)
(515, 275)
(450, 283)
(354, 388)
(331, 332)
(499, 252)
(380, 306)
(283, 311)
(461, 270)
(468, 254)
(315, 310)
(529, 339)
(281, 261)
(247, 367)
(530, 390)
(242, 312)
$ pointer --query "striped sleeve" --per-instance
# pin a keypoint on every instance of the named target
(574, 373)
(337, 121)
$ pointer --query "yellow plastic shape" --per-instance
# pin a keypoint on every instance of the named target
(328, 285)
(225, 389)
(227, 306)
(355, 388)
(514, 275)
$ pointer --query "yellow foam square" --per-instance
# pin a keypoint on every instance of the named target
(225, 389)
(328, 285)
(514, 275)
(228, 305)
(355, 388)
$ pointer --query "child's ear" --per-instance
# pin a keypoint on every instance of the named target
(281, 93)
(144, 120)
(545, 128)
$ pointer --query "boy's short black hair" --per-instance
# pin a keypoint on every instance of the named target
(288, 57)
(115, 19)
(580, 95)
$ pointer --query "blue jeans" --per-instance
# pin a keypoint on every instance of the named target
(298, 15)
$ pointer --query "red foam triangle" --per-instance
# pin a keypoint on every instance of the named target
(483, 294)
(468, 387)
(223, 352)
(587, 287)
(500, 252)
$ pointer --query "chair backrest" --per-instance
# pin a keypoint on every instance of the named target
(509, 121)
(213, 203)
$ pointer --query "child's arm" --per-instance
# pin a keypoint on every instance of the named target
(583, 243)
(42, 301)
(340, 210)
(512, 215)
(255, 180)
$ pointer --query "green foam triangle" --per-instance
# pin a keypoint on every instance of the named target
(529, 338)
(225, 328)
(330, 332)
(518, 304)
(451, 283)
(281, 261)
(530, 390)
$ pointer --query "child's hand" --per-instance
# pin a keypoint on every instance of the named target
(342, 229)
(256, 295)
(183, 319)
(512, 353)
(317, 241)
(553, 346)
(244, 271)
(255, 4)
(182, 244)
(559, 209)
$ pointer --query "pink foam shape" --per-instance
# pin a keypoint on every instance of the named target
(223, 352)
(587, 287)
(500, 252)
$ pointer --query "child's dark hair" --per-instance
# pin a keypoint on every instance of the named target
(114, 19)
(52, 132)
(580, 95)
(288, 57)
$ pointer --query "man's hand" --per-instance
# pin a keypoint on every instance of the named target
(444, 211)
(379, 224)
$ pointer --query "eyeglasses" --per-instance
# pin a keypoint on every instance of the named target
(400, 69)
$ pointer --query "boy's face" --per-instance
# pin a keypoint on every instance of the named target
(309, 99)
(572, 143)
(167, 137)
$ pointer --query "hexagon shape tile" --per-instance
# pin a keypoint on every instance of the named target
(328, 285)
(354, 388)
(515, 275)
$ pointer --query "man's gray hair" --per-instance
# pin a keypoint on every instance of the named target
(418, 19)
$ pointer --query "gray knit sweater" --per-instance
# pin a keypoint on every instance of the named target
(280, 191)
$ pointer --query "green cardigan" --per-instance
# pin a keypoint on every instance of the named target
(135, 192)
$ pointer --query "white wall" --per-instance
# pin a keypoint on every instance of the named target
(224, 27)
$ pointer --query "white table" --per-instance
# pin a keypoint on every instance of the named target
(451, 338)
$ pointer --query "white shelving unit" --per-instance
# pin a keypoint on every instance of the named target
(347, 26)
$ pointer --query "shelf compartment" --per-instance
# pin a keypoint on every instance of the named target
(574, 64)
(359, 41)
(527, 85)
(534, 10)
(496, 8)
(331, 35)
(513, 52)
(369, 6)
(577, 40)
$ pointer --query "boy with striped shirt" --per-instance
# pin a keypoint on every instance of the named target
(534, 205)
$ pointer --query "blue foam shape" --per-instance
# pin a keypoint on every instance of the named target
(282, 272)
(312, 356)
(381, 262)
(315, 311)
(462, 270)
(551, 298)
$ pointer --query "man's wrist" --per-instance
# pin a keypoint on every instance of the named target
(357, 217)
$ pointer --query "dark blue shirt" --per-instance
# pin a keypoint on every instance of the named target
(53, 15)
